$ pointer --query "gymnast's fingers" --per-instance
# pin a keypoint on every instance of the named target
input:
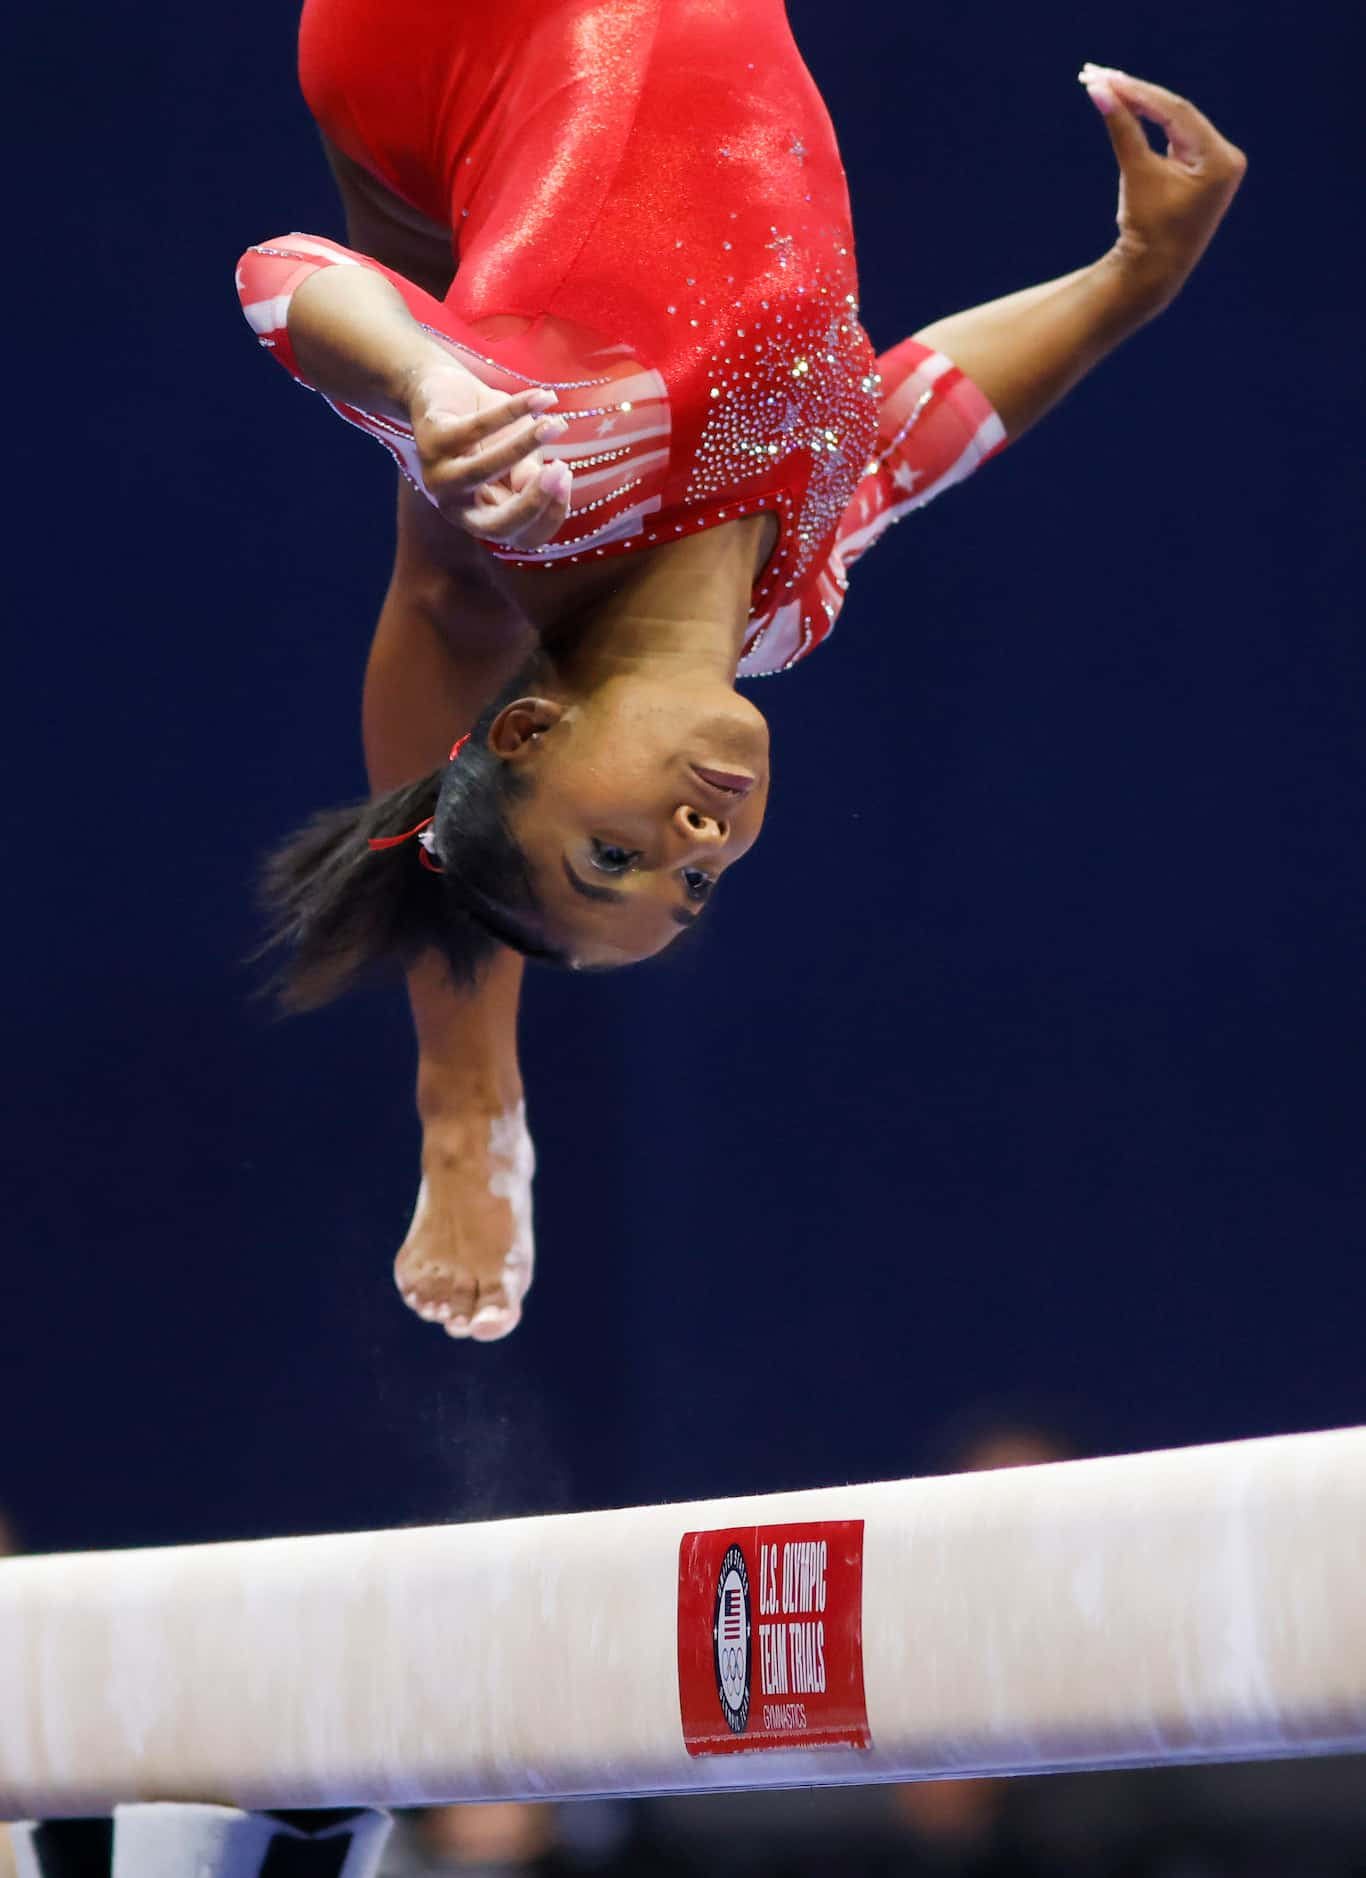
(466, 434)
(529, 518)
(451, 400)
(1192, 139)
(557, 495)
(493, 417)
(487, 464)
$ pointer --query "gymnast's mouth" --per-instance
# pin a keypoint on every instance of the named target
(724, 781)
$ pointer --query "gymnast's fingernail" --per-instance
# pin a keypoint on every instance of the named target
(1102, 97)
(541, 400)
(554, 480)
(551, 427)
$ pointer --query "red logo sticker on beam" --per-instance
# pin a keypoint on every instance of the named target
(770, 1638)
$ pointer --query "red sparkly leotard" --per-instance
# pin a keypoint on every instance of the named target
(648, 214)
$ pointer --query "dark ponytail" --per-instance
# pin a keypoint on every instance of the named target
(340, 908)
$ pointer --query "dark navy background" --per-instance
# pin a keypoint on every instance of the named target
(1021, 1072)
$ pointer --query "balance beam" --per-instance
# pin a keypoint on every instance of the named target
(1203, 1604)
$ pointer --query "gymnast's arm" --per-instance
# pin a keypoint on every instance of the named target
(1025, 352)
(367, 339)
(355, 341)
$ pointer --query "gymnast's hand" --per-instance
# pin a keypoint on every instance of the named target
(1171, 204)
(480, 456)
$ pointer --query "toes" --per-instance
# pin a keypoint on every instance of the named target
(419, 1299)
(440, 1298)
(494, 1321)
(425, 1308)
(499, 1311)
(460, 1295)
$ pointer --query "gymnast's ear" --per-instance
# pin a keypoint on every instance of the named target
(513, 733)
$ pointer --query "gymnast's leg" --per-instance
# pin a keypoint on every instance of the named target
(467, 1258)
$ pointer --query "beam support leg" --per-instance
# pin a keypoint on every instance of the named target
(171, 1841)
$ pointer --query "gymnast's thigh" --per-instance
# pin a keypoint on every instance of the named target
(383, 226)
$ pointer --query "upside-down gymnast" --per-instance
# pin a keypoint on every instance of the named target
(601, 305)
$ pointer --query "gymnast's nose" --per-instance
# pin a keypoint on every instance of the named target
(697, 828)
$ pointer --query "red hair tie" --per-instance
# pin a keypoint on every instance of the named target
(378, 842)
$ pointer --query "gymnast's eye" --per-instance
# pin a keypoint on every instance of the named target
(608, 858)
(698, 884)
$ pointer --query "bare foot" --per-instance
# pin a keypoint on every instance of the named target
(466, 1263)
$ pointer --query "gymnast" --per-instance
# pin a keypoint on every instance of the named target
(600, 303)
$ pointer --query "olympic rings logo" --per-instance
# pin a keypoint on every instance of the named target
(731, 1629)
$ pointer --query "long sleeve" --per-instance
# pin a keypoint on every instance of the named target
(618, 411)
(268, 276)
(934, 429)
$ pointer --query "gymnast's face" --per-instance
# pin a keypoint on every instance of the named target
(643, 794)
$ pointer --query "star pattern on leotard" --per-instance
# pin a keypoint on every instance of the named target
(801, 383)
(782, 247)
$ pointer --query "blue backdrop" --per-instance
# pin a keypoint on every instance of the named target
(1022, 1065)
